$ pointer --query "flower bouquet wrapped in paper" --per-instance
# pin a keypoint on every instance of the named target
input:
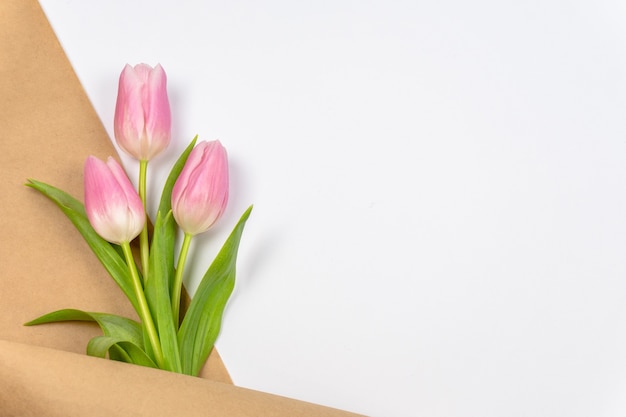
(114, 214)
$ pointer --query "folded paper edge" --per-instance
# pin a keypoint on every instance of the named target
(48, 382)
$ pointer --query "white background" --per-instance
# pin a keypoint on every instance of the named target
(439, 187)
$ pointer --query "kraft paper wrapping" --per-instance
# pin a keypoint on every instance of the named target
(47, 129)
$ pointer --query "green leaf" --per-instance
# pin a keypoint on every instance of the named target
(122, 338)
(157, 288)
(158, 291)
(106, 252)
(116, 353)
(131, 353)
(165, 205)
(202, 322)
(111, 324)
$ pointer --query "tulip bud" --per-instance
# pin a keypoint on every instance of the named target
(113, 207)
(200, 193)
(142, 122)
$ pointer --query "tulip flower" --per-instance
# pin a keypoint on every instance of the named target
(142, 120)
(199, 198)
(142, 124)
(200, 193)
(113, 207)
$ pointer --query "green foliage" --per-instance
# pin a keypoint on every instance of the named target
(203, 320)
(120, 331)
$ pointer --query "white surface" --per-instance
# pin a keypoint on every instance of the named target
(439, 188)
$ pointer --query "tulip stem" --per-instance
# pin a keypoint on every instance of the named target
(144, 245)
(143, 310)
(178, 278)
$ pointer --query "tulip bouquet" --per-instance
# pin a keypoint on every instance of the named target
(114, 215)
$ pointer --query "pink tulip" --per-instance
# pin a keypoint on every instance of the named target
(113, 206)
(142, 120)
(200, 194)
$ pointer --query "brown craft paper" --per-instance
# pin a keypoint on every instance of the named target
(47, 129)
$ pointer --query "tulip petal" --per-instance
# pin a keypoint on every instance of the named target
(142, 122)
(112, 205)
(200, 194)
(158, 116)
(129, 120)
